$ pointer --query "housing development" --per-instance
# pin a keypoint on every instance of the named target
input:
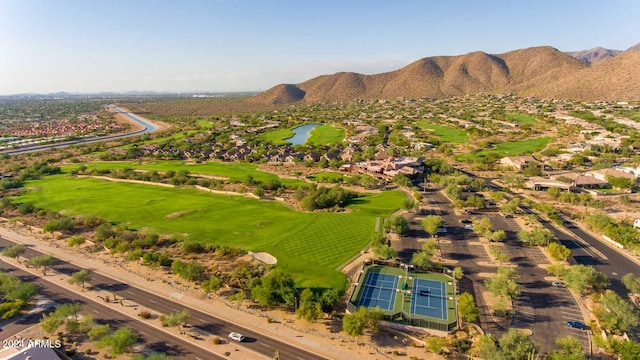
(493, 226)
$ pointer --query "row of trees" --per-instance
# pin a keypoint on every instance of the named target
(621, 231)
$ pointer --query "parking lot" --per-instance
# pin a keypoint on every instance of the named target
(541, 308)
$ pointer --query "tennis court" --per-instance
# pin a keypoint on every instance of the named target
(379, 291)
(429, 298)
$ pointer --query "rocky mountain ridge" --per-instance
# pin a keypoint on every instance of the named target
(538, 71)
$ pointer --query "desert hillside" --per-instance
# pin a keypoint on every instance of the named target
(595, 55)
(542, 71)
(614, 79)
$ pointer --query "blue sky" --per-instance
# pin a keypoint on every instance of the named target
(236, 45)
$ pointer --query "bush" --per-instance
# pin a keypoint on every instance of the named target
(192, 248)
(26, 208)
(75, 241)
(65, 223)
(216, 340)
(145, 314)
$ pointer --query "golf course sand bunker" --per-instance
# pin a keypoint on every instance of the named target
(264, 257)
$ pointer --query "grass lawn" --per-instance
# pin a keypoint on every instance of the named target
(522, 119)
(328, 177)
(310, 245)
(326, 135)
(278, 137)
(233, 171)
(446, 133)
(511, 148)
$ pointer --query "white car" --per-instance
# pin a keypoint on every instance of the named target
(560, 284)
(236, 336)
(442, 230)
(468, 227)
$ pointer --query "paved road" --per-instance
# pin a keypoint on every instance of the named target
(198, 319)
(153, 338)
(148, 128)
(588, 250)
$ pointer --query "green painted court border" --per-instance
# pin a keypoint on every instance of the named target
(401, 310)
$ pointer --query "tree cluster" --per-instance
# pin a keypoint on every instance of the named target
(503, 283)
(616, 314)
(623, 232)
(397, 224)
(325, 198)
(14, 295)
(514, 345)
(583, 279)
(363, 319)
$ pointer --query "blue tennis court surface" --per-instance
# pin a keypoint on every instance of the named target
(429, 298)
(379, 291)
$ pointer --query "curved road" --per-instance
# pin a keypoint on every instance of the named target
(148, 128)
(206, 322)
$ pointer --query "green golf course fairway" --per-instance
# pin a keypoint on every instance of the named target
(235, 171)
(309, 245)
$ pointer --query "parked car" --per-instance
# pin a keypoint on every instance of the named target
(442, 230)
(236, 336)
(577, 325)
(557, 283)
(468, 227)
(508, 216)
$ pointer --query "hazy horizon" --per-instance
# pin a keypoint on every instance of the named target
(241, 46)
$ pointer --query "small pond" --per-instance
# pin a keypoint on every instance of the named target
(302, 134)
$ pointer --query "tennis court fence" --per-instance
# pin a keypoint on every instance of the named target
(403, 316)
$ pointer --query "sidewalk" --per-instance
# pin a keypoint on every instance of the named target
(329, 345)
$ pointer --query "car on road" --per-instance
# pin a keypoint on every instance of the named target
(466, 221)
(577, 325)
(557, 283)
(442, 230)
(508, 216)
(468, 227)
(236, 336)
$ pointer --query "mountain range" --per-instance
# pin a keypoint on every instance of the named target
(538, 71)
